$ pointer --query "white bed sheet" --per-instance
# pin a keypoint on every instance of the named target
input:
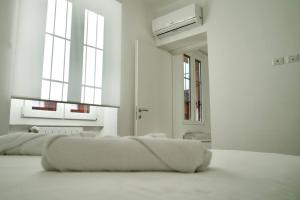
(233, 175)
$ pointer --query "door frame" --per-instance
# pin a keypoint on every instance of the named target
(136, 86)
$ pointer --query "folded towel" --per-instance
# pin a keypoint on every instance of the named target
(196, 136)
(23, 143)
(124, 154)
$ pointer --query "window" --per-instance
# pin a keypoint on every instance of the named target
(192, 85)
(91, 88)
(80, 108)
(44, 105)
(187, 87)
(198, 91)
(55, 76)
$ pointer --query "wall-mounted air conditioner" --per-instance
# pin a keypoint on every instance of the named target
(177, 20)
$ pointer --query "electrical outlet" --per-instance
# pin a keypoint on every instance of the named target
(292, 59)
(278, 61)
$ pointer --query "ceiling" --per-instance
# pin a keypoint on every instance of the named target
(156, 3)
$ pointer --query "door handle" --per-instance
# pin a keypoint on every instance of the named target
(143, 110)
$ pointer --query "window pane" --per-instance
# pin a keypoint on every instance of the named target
(47, 56)
(82, 94)
(89, 95)
(198, 111)
(45, 89)
(50, 16)
(100, 32)
(65, 92)
(98, 93)
(69, 21)
(99, 63)
(56, 91)
(90, 66)
(83, 65)
(67, 62)
(91, 29)
(61, 18)
(58, 59)
(187, 88)
(85, 26)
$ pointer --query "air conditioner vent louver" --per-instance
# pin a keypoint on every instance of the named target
(175, 29)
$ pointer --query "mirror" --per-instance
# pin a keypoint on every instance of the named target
(68, 51)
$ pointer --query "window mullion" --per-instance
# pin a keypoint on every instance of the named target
(63, 78)
(87, 29)
(192, 86)
(52, 50)
(58, 36)
(95, 60)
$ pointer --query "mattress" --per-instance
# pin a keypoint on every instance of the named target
(232, 175)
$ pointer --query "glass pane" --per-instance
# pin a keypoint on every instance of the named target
(50, 16)
(187, 88)
(198, 111)
(61, 18)
(67, 62)
(89, 95)
(186, 84)
(99, 63)
(90, 66)
(56, 91)
(98, 94)
(45, 89)
(69, 21)
(83, 65)
(58, 59)
(85, 26)
(82, 94)
(65, 92)
(47, 56)
(91, 28)
(100, 32)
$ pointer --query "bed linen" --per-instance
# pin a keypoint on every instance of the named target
(233, 175)
(64, 153)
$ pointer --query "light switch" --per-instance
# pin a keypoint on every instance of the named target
(278, 61)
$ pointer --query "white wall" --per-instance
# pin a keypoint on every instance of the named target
(254, 105)
(7, 21)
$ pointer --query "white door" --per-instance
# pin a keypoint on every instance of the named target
(153, 90)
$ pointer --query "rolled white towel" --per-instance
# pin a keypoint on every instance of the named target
(125, 154)
(23, 143)
(156, 135)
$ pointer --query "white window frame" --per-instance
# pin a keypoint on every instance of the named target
(96, 48)
(193, 120)
(66, 61)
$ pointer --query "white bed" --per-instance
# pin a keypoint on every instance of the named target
(233, 175)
